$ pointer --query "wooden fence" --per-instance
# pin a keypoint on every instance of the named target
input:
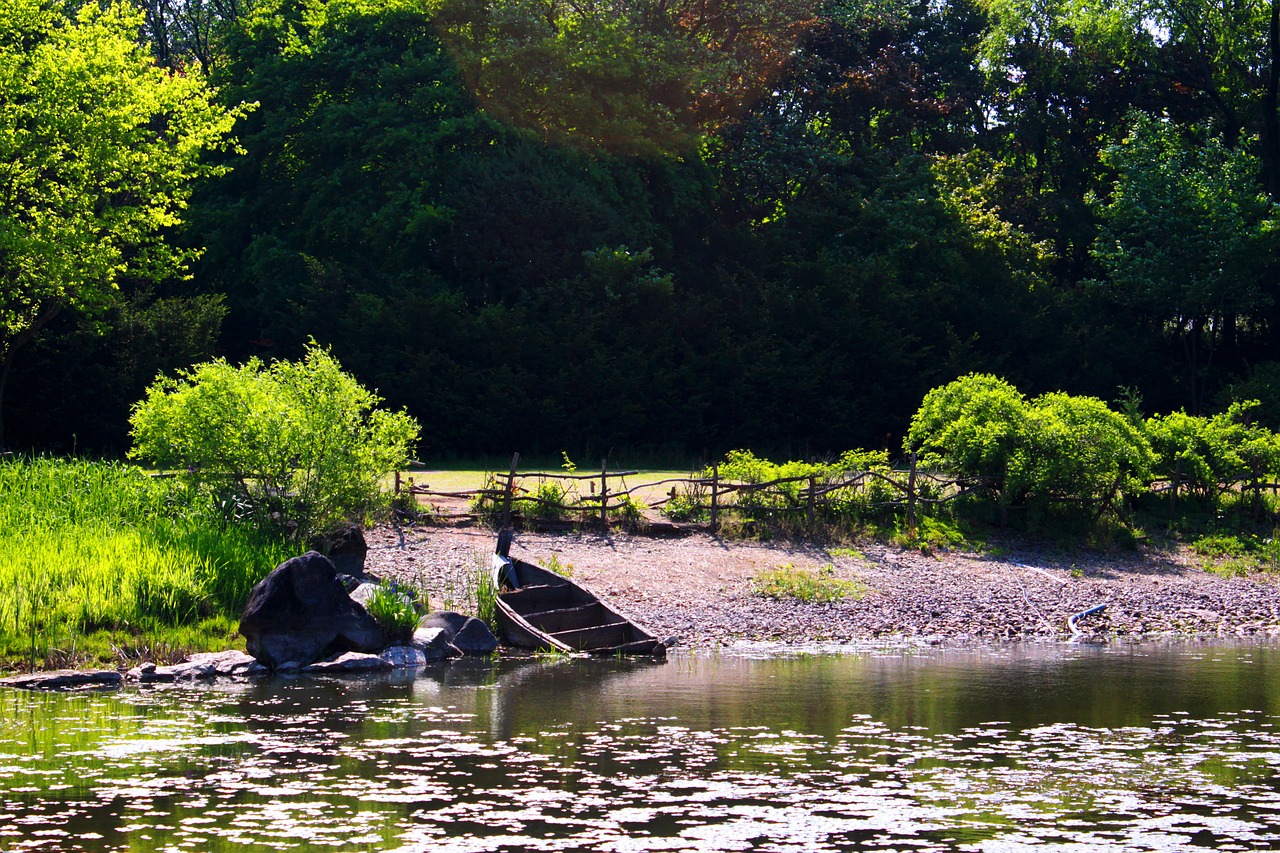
(508, 496)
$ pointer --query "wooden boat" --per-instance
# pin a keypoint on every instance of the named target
(539, 609)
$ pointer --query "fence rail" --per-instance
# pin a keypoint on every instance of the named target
(510, 495)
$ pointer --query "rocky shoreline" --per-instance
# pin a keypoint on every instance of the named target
(698, 588)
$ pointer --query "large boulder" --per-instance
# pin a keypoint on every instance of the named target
(465, 633)
(301, 613)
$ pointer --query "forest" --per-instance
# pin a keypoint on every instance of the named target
(663, 227)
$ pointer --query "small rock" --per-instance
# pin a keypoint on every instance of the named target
(64, 679)
(434, 644)
(467, 633)
(403, 656)
(347, 549)
(349, 662)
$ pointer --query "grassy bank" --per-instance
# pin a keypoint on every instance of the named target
(103, 564)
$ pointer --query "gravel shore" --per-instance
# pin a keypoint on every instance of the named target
(698, 588)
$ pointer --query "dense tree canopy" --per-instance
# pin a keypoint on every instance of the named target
(694, 226)
(99, 150)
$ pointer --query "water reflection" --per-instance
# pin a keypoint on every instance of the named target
(1139, 748)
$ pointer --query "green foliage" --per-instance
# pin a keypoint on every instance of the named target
(553, 564)
(1211, 454)
(1055, 448)
(629, 510)
(485, 593)
(1187, 234)
(397, 612)
(1086, 451)
(302, 439)
(688, 502)
(551, 501)
(102, 151)
(931, 534)
(103, 546)
(1237, 554)
(639, 77)
(791, 582)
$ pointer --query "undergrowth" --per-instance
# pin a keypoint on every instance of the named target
(94, 547)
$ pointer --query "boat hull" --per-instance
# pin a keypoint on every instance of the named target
(538, 609)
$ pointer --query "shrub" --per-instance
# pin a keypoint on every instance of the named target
(1084, 451)
(979, 428)
(302, 440)
(1056, 448)
(1210, 454)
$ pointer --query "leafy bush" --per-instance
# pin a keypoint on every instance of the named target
(303, 441)
(395, 611)
(551, 501)
(1057, 447)
(1214, 453)
(1085, 451)
(978, 427)
(790, 581)
(629, 511)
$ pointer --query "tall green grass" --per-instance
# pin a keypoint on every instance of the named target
(100, 546)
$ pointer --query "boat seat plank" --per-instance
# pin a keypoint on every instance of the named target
(570, 618)
(535, 599)
(598, 636)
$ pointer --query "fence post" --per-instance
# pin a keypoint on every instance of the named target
(813, 499)
(911, 494)
(604, 493)
(715, 488)
(511, 489)
(397, 483)
(1173, 492)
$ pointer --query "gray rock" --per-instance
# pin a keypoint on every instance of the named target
(466, 633)
(403, 656)
(347, 549)
(64, 679)
(362, 593)
(301, 613)
(349, 662)
(434, 644)
(198, 666)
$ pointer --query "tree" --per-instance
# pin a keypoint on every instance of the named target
(636, 76)
(99, 150)
(1188, 238)
(301, 438)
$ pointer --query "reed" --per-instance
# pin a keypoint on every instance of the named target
(101, 546)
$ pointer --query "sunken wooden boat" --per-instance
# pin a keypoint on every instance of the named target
(539, 609)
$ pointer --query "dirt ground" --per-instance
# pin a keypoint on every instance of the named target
(698, 588)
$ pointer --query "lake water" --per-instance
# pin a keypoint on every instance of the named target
(1166, 748)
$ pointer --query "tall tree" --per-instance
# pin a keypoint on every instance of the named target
(1188, 238)
(99, 150)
